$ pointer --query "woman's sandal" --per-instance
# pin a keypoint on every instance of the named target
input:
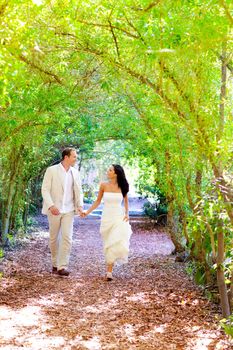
(109, 276)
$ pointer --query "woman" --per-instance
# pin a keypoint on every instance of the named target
(115, 228)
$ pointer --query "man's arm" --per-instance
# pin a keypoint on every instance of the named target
(46, 188)
(79, 199)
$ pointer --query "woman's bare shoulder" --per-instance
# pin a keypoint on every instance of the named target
(103, 185)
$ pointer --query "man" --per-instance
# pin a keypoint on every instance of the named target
(62, 198)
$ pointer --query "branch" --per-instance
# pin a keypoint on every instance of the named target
(222, 94)
(142, 79)
(178, 86)
(148, 8)
(149, 126)
(228, 14)
(173, 105)
(136, 30)
(22, 126)
(33, 65)
(114, 38)
(151, 5)
(200, 129)
(3, 8)
(229, 65)
(88, 74)
(157, 90)
(107, 27)
(200, 134)
(180, 152)
(66, 34)
(113, 138)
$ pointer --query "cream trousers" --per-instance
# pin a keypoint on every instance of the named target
(60, 238)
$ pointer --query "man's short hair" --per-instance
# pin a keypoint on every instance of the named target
(67, 152)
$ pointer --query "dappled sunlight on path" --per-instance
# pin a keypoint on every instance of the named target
(150, 304)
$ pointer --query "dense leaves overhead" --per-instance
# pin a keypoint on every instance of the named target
(155, 75)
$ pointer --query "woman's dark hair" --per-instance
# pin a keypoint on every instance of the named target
(121, 179)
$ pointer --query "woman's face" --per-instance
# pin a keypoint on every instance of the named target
(111, 173)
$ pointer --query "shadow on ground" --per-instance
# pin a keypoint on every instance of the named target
(150, 304)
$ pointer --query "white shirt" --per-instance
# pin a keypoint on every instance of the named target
(68, 185)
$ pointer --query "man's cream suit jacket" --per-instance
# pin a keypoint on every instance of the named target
(52, 188)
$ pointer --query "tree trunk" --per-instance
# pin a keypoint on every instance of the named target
(10, 187)
(222, 94)
(231, 292)
(26, 210)
(225, 189)
(172, 228)
(7, 211)
(183, 220)
(170, 198)
(220, 276)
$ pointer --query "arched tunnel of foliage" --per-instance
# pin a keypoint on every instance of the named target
(156, 76)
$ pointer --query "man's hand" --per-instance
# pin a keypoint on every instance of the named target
(126, 218)
(54, 210)
(79, 211)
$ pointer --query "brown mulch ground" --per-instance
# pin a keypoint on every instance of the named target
(150, 304)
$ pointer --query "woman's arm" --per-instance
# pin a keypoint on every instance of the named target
(126, 204)
(98, 200)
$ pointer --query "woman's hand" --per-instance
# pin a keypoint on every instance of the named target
(84, 214)
(126, 218)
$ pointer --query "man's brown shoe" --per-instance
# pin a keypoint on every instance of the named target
(63, 272)
(54, 270)
(109, 276)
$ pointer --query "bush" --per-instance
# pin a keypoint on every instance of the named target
(156, 211)
(89, 193)
(227, 325)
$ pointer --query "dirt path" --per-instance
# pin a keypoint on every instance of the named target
(151, 304)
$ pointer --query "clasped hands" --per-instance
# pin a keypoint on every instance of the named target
(55, 211)
(81, 212)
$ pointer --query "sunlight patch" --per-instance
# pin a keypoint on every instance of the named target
(94, 309)
(53, 299)
(140, 297)
(203, 340)
(101, 307)
(160, 329)
(37, 2)
(11, 321)
(154, 332)
(91, 344)
(21, 327)
(43, 342)
(129, 330)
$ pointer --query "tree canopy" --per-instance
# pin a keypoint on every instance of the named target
(155, 75)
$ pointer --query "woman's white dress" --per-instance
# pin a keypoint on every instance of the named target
(114, 231)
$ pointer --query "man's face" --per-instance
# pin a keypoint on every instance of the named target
(72, 158)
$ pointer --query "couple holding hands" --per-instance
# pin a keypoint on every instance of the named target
(62, 199)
